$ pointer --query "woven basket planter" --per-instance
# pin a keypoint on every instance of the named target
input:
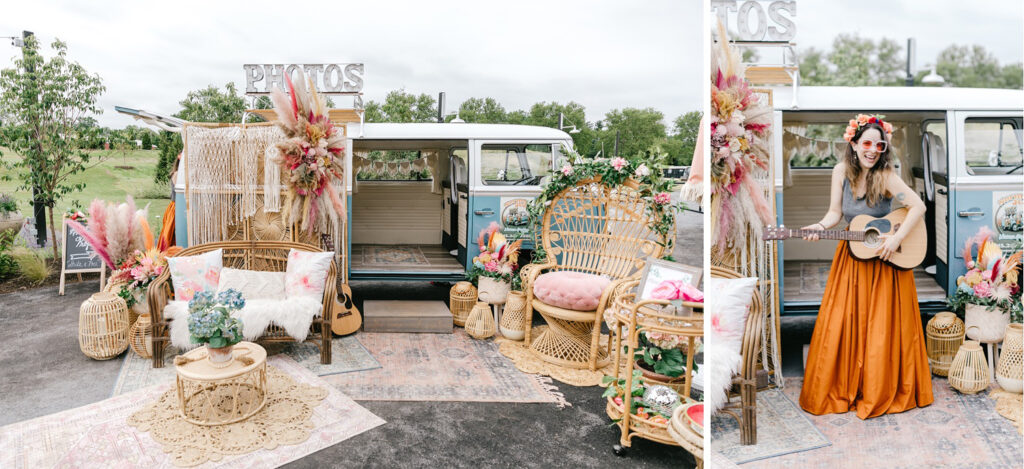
(1010, 369)
(480, 324)
(462, 299)
(493, 291)
(140, 336)
(944, 335)
(969, 371)
(103, 326)
(985, 325)
(513, 318)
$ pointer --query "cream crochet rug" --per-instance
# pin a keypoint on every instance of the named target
(100, 434)
(528, 362)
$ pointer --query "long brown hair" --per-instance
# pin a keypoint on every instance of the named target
(876, 175)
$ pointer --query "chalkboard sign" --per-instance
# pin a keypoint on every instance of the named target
(78, 257)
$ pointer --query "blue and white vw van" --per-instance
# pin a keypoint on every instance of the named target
(419, 193)
(960, 148)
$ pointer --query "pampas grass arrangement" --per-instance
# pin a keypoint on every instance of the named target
(115, 231)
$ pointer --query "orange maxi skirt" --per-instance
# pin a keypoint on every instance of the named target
(867, 352)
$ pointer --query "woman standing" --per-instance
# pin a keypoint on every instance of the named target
(867, 352)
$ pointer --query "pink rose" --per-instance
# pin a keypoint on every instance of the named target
(619, 162)
(662, 198)
(567, 170)
(983, 289)
(491, 266)
(691, 293)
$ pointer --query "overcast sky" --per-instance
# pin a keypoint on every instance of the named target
(998, 25)
(598, 53)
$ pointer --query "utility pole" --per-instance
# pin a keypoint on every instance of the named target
(911, 53)
(38, 207)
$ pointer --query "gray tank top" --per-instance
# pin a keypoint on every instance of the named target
(853, 206)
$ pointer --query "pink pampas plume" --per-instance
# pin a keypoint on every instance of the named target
(98, 245)
(336, 201)
(283, 108)
(98, 220)
(291, 91)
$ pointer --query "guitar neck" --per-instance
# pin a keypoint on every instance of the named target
(826, 234)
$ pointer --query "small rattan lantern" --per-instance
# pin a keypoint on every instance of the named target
(969, 371)
(141, 334)
(115, 289)
(945, 334)
(513, 318)
(103, 326)
(463, 298)
(1010, 369)
(480, 324)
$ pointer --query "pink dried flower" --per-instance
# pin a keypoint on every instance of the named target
(983, 289)
(491, 266)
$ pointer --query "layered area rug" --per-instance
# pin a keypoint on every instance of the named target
(347, 355)
(442, 367)
(782, 428)
(102, 434)
(956, 431)
(379, 256)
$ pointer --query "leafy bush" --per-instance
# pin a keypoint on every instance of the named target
(8, 268)
(7, 204)
(153, 191)
(32, 264)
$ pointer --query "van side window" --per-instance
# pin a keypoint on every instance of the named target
(515, 165)
(992, 146)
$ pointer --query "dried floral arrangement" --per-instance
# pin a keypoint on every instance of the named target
(992, 278)
(499, 258)
(311, 159)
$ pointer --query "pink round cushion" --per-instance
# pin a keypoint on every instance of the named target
(570, 290)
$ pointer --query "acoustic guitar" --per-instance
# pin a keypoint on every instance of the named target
(345, 318)
(866, 236)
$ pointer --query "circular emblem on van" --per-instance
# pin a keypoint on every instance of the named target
(1009, 214)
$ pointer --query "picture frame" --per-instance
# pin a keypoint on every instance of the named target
(658, 270)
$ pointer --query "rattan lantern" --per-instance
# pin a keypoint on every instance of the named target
(944, 335)
(462, 300)
(140, 336)
(1010, 369)
(103, 326)
(480, 324)
(969, 371)
(513, 318)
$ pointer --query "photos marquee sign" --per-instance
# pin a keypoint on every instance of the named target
(329, 79)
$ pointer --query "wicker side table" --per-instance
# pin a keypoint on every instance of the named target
(210, 395)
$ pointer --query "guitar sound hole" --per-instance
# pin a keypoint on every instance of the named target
(871, 238)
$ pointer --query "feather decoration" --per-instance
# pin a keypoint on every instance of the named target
(291, 90)
(98, 220)
(281, 108)
(99, 245)
(147, 233)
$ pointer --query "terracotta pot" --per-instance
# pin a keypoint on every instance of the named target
(658, 377)
(1010, 369)
(984, 325)
(221, 355)
(493, 291)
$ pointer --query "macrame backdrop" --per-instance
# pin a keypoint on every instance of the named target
(233, 188)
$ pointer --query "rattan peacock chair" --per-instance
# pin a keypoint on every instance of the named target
(266, 256)
(744, 385)
(595, 229)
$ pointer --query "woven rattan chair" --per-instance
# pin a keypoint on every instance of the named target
(266, 256)
(594, 229)
(745, 383)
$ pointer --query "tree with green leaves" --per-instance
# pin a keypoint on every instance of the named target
(168, 145)
(975, 67)
(680, 145)
(854, 61)
(638, 130)
(45, 101)
(483, 111)
(210, 104)
(400, 106)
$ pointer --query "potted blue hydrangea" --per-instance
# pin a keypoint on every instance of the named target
(210, 322)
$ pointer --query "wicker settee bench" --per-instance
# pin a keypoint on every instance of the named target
(266, 256)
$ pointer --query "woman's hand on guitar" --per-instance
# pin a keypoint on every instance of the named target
(892, 243)
(812, 236)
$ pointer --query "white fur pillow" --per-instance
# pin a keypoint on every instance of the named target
(253, 284)
(727, 303)
(306, 274)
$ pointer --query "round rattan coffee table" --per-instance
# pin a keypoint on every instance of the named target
(210, 394)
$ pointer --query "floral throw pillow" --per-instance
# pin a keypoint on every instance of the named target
(306, 274)
(193, 274)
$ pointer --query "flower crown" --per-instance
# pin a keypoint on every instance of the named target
(864, 119)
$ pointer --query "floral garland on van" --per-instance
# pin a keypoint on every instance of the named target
(613, 172)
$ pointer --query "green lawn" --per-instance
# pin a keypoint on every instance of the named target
(116, 177)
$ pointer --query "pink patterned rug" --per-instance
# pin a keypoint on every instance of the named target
(97, 435)
(442, 367)
(955, 431)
